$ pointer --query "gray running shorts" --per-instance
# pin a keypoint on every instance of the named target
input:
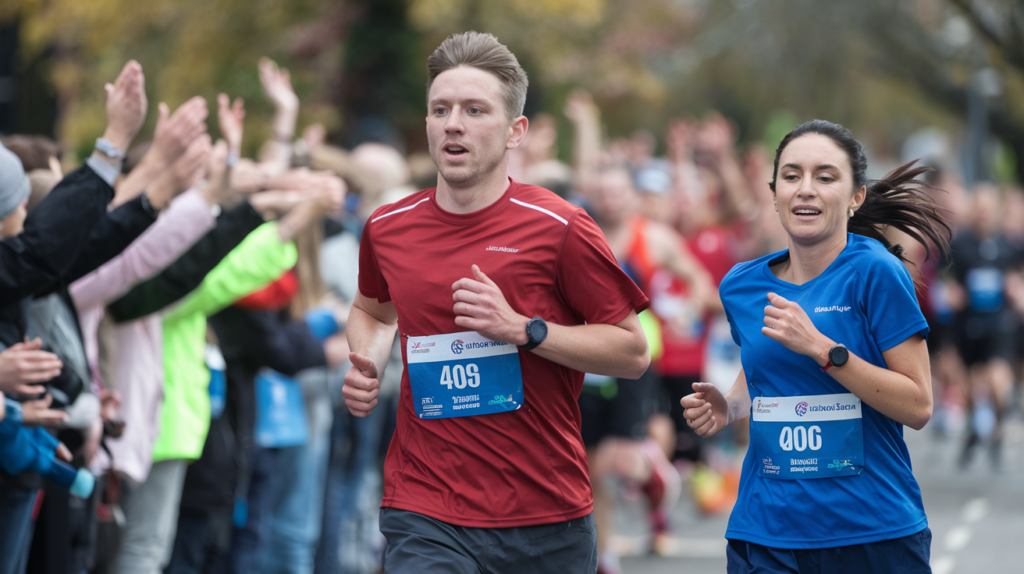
(418, 544)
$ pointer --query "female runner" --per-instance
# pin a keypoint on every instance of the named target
(834, 364)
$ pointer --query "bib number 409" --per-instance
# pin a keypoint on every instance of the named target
(800, 438)
(460, 377)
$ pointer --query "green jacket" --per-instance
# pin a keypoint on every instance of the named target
(185, 417)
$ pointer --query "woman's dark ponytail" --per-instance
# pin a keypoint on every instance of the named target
(896, 200)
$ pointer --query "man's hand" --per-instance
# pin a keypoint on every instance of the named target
(39, 413)
(787, 323)
(24, 365)
(185, 173)
(361, 386)
(481, 307)
(231, 116)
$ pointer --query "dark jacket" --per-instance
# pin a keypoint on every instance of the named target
(249, 340)
(185, 274)
(55, 233)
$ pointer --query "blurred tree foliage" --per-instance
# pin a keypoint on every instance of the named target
(883, 68)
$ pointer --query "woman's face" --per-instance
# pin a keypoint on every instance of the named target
(814, 189)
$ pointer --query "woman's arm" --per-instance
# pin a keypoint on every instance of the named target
(902, 392)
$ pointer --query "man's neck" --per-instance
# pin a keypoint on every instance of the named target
(470, 197)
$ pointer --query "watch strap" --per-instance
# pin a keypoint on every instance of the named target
(107, 148)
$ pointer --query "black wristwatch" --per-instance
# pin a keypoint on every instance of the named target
(536, 332)
(837, 357)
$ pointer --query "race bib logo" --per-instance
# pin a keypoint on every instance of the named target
(457, 346)
(801, 408)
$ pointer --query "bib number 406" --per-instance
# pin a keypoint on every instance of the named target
(800, 438)
(460, 377)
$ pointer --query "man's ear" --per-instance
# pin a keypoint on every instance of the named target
(517, 132)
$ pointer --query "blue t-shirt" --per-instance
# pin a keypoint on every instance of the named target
(865, 300)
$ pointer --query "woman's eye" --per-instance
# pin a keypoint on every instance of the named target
(789, 177)
(827, 179)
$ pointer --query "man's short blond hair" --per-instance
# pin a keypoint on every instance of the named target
(485, 52)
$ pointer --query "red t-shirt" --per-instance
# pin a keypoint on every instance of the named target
(517, 468)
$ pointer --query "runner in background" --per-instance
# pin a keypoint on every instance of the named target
(616, 413)
(982, 260)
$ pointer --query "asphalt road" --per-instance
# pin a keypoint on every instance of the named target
(976, 515)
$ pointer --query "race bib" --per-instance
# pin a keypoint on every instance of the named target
(985, 286)
(819, 436)
(463, 375)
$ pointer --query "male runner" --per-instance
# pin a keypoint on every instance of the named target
(504, 295)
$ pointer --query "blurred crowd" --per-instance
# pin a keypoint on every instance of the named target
(172, 328)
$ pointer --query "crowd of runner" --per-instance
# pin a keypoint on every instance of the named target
(173, 330)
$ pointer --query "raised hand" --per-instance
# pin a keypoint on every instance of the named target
(786, 322)
(182, 175)
(277, 84)
(126, 106)
(23, 366)
(579, 107)
(361, 386)
(175, 132)
(481, 306)
(231, 116)
(331, 193)
(706, 410)
(716, 135)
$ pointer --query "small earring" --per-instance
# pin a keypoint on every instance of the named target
(851, 212)
(776, 207)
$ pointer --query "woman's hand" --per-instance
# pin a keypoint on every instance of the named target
(787, 323)
(706, 410)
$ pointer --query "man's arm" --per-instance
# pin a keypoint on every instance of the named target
(370, 331)
(618, 350)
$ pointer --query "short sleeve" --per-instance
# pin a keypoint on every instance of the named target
(371, 282)
(891, 305)
(590, 279)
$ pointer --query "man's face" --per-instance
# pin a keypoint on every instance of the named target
(468, 130)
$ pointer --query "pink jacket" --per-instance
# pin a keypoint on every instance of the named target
(138, 370)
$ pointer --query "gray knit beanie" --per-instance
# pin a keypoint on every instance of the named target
(14, 185)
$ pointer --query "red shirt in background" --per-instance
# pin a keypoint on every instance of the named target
(684, 352)
(518, 468)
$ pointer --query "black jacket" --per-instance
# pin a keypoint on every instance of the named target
(110, 236)
(249, 340)
(185, 274)
(55, 233)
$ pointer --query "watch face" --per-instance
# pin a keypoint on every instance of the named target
(538, 330)
(838, 356)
